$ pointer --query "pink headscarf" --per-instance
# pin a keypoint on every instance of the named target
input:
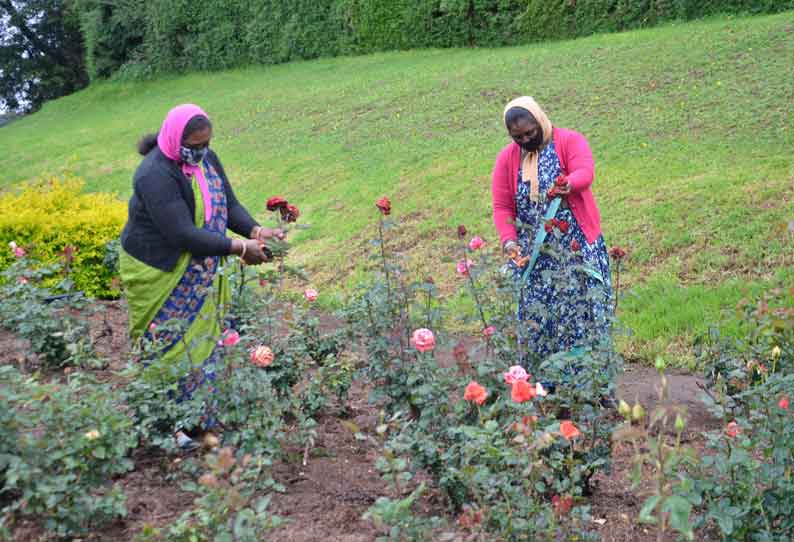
(170, 140)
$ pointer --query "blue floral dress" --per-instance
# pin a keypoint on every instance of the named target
(186, 300)
(566, 298)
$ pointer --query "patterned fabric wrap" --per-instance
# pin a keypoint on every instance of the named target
(561, 305)
(189, 296)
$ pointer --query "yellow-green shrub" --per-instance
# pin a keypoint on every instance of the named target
(45, 216)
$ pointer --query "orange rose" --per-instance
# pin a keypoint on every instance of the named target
(569, 430)
(522, 391)
(475, 393)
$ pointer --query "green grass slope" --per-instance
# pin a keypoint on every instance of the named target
(691, 126)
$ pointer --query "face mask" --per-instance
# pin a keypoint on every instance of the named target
(192, 157)
(533, 144)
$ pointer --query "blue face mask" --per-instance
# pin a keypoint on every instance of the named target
(192, 157)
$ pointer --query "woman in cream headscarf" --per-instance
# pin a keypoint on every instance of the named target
(549, 225)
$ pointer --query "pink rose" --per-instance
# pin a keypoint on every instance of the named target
(516, 373)
(423, 340)
(310, 294)
(464, 266)
(230, 338)
(476, 243)
(262, 356)
(22, 280)
(18, 251)
(488, 332)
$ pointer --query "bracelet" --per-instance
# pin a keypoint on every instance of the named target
(242, 254)
(255, 232)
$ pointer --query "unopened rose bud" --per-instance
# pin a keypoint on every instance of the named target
(776, 352)
(624, 409)
(637, 412)
(679, 423)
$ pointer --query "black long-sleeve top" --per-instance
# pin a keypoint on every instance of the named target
(160, 225)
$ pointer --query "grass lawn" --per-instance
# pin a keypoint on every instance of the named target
(692, 126)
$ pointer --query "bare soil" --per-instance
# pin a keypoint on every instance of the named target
(326, 498)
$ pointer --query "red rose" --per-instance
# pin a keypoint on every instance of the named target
(548, 226)
(575, 246)
(617, 253)
(563, 226)
(462, 231)
(783, 403)
(562, 505)
(733, 429)
(552, 193)
(384, 205)
(276, 202)
(289, 213)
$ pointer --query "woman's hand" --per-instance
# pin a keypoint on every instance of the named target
(562, 186)
(250, 250)
(259, 233)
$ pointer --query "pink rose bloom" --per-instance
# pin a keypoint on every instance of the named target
(464, 266)
(489, 331)
(22, 280)
(516, 373)
(262, 356)
(310, 294)
(230, 338)
(476, 243)
(18, 251)
(423, 340)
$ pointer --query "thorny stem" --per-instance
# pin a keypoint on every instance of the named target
(429, 309)
(617, 286)
(383, 259)
(473, 284)
(242, 280)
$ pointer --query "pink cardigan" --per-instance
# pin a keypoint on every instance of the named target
(577, 164)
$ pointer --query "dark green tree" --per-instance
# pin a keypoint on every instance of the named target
(41, 53)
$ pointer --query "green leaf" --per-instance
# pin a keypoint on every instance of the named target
(679, 509)
(649, 508)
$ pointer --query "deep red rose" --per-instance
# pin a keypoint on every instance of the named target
(617, 253)
(384, 205)
(462, 231)
(563, 226)
(289, 213)
(276, 202)
(575, 245)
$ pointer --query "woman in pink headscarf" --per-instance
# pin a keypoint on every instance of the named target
(174, 243)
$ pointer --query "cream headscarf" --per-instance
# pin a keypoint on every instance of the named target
(530, 164)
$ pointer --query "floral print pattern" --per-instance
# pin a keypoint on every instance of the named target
(563, 302)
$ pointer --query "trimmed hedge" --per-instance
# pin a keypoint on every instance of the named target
(45, 217)
(137, 39)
